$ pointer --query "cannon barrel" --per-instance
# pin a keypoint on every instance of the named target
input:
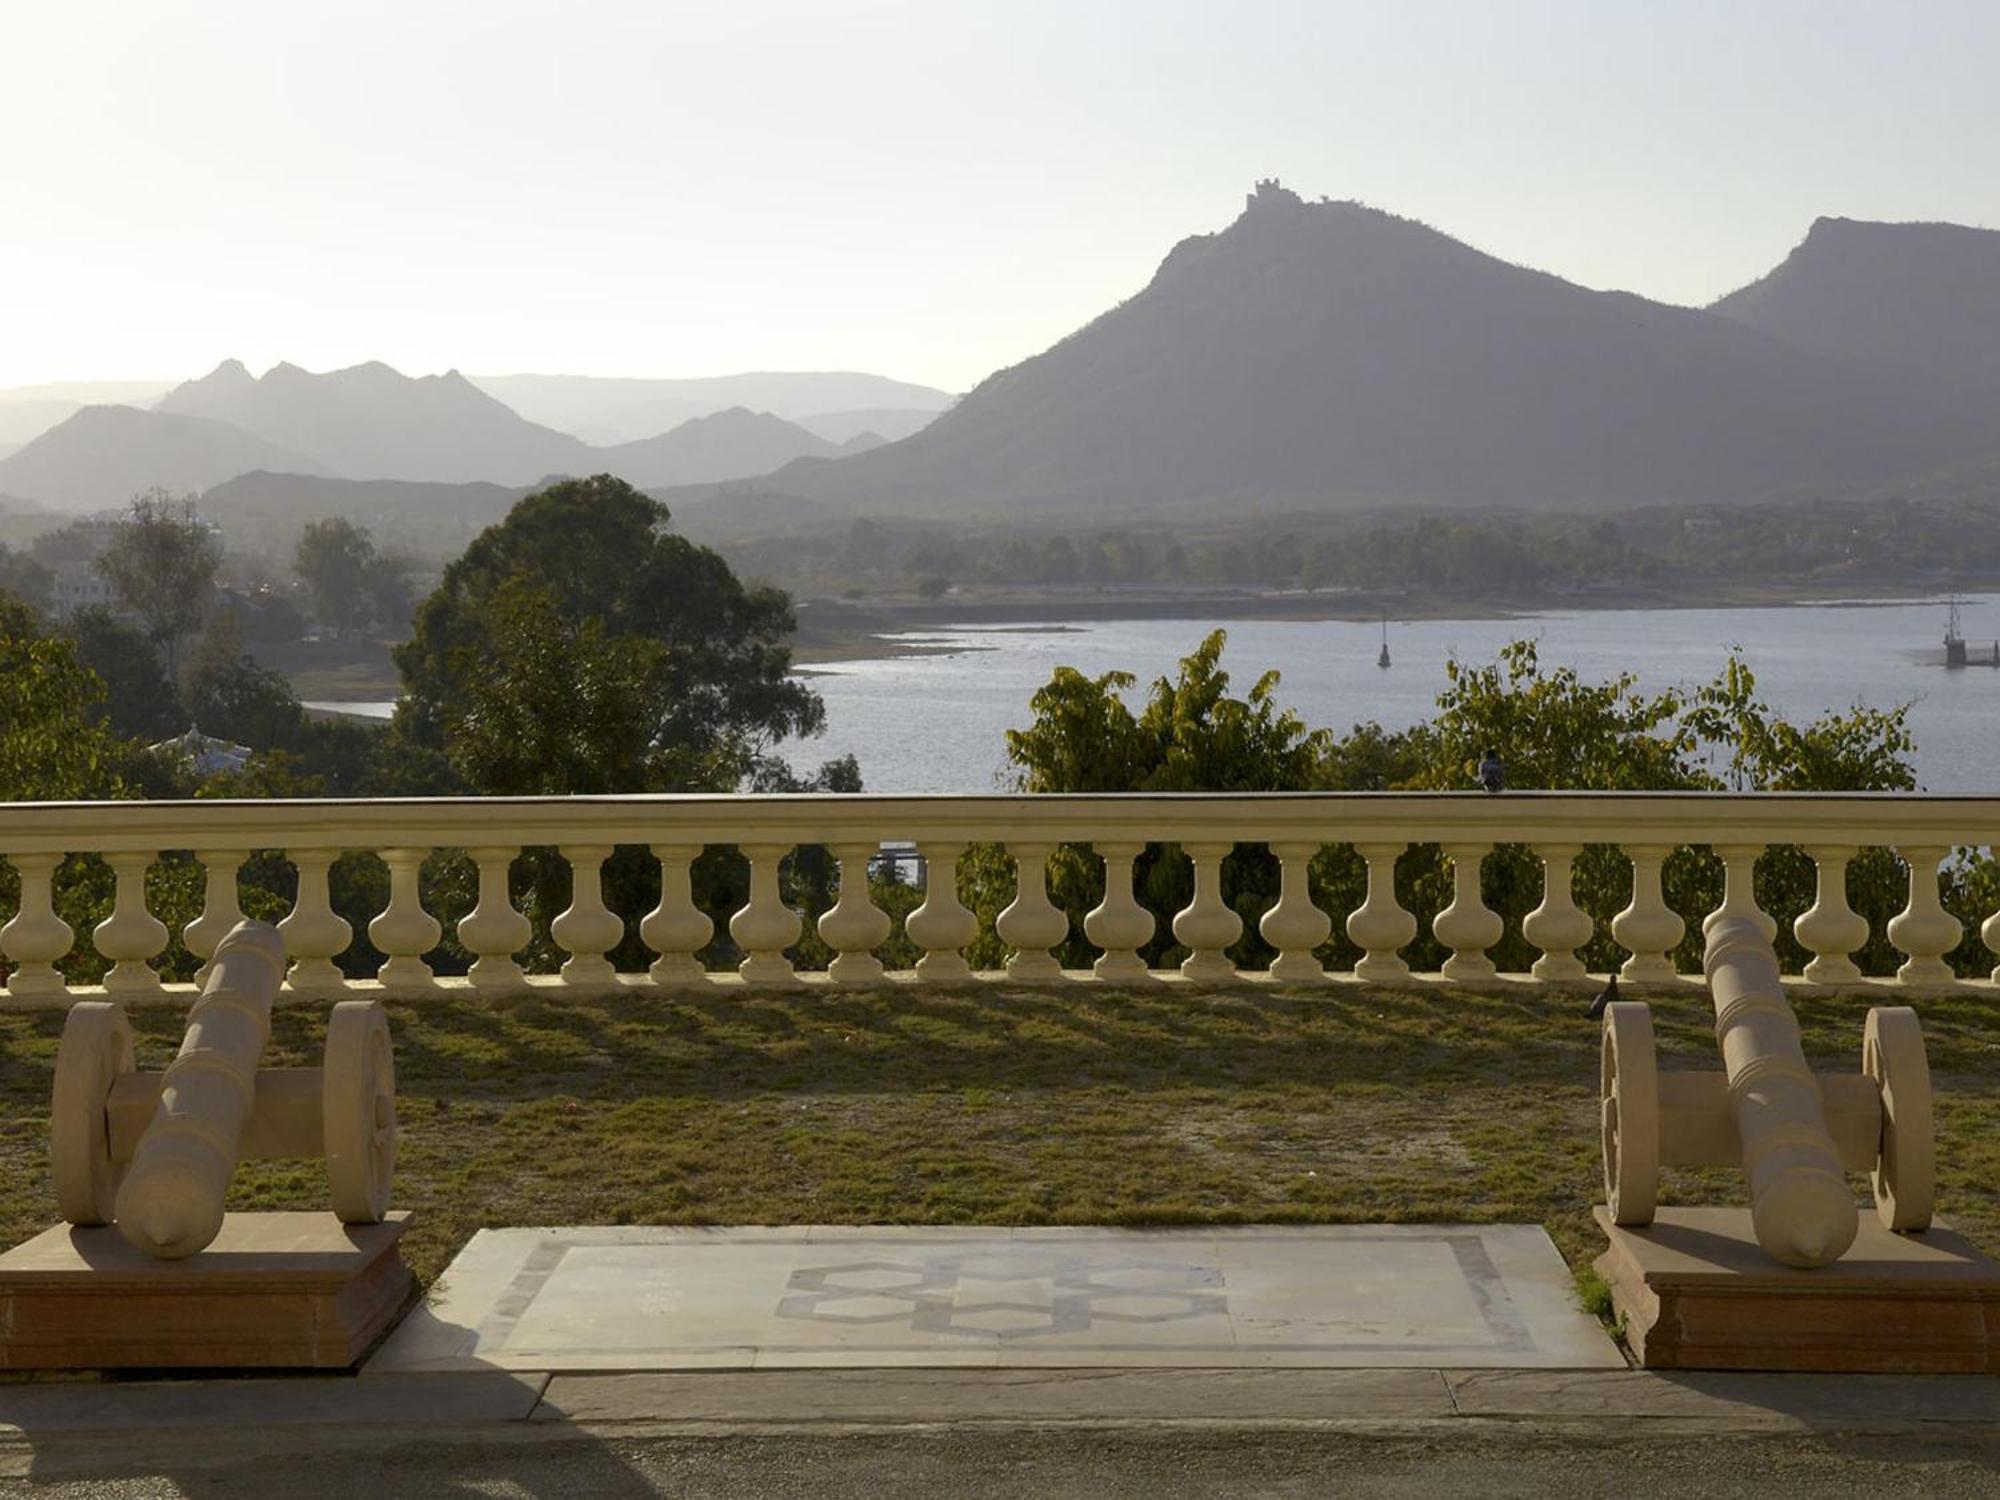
(171, 1202)
(1800, 1204)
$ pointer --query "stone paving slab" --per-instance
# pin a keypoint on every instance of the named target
(1317, 1297)
(30, 1408)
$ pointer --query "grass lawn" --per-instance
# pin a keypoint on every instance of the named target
(1003, 1106)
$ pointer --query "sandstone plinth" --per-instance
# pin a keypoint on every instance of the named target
(1698, 1293)
(274, 1291)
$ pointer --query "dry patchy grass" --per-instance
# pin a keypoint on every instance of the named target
(1002, 1106)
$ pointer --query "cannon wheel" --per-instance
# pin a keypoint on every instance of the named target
(1904, 1179)
(96, 1048)
(358, 1105)
(1629, 1105)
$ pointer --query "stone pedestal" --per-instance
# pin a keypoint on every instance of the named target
(274, 1291)
(1697, 1293)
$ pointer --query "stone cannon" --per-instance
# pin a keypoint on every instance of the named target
(1796, 1133)
(154, 1152)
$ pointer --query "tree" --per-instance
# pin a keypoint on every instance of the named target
(26, 578)
(333, 561)
(232, 697)
(139, 696)
(163, 561)
(663, 671)
(53, 743)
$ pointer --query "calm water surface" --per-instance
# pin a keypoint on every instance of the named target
(936, 723)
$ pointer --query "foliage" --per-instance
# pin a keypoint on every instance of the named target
(54, 745)
(684, 669)
(163, 563)
(1552, 728)
(349, 585)
(139, 697)
(26, 578)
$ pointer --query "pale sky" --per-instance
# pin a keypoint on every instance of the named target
(928, 189)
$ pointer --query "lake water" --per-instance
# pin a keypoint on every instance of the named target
(937, 723)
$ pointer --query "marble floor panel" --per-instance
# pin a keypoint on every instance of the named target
(1357, 1296)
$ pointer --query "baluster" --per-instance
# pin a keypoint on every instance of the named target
(1031, 925)
(587, 929)
(220, 909)
(941, 926)
(1739, 890)
(855, 926)
(131, 934)
(1924, 930)
(1648, 929)
(1207, 925)
(1468, 926)
(403, 929)
(493, 931)
(1989, 934)
(1558, 926)
(36, 937)
(1379, 926)
(765, 927)
(1831, 929)
(1119, 924)
(677, 929)
(1295, 926)
(313, 934)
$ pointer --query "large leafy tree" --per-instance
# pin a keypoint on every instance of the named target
(163, 561)
(685, 669)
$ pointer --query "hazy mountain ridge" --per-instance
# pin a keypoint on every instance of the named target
(104, 455)
(728, 444)
(1334, 356)
(621, 409)
(1922, 298)
(372, 422)
(1310, 357)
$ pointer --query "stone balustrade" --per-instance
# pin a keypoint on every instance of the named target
(1116, 830)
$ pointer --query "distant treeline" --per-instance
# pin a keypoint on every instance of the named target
(1872, 542)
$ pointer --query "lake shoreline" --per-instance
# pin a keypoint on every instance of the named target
(837, 631)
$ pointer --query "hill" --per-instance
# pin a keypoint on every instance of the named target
(1331, 356)
(732, 444)
(104, 455)
(605, 409)
(372, 422)
(1922, 298)
(888, 423)
(264, 512)
(28, 411)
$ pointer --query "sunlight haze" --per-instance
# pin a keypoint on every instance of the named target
(925, 191)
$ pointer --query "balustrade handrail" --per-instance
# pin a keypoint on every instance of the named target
(1674, 818)
(1557, 827)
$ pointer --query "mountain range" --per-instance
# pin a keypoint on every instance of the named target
(1311, 356)
(372, 422)
(608, 410)
(1326, 356)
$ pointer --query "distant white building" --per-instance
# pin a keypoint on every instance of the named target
(80, 586)
(207, 755)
